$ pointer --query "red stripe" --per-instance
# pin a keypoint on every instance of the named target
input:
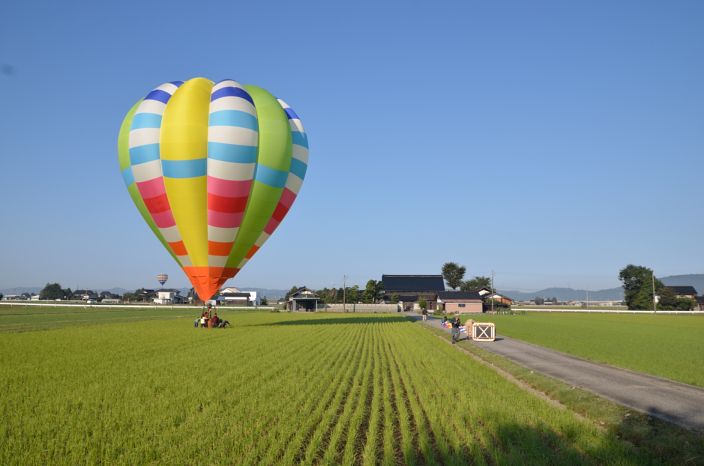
(251, 252)
(157, 204)
(178, 248)
(228, 205)
(216, 248)
(280, 212)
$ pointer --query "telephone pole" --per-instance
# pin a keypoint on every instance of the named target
(655, 303)
(344, 293)
(492, 292)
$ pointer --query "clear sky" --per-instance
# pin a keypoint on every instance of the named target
(552, 142)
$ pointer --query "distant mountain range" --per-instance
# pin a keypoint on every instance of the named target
(611, 294)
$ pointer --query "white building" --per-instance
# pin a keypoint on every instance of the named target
(168, 297)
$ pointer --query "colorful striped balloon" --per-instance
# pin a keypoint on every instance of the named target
(213, 169)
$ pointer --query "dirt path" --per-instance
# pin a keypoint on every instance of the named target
(665, 399)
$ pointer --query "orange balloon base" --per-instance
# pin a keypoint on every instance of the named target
(208, 280)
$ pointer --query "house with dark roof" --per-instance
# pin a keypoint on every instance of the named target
(460, 301)
(700, 303)
(409, 290)
(683, 291)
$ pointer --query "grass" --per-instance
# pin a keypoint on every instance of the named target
(273, 389)
(659, 439)
(670, 346)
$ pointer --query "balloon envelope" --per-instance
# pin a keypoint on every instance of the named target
(162, 278)
(213, 169)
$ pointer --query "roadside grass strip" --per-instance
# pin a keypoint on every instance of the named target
(669, 346)
(274, 389)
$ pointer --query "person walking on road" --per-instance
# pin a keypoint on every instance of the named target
(456, 329)
(424, 312)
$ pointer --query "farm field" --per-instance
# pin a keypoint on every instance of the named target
(670, 346)
(273, 389)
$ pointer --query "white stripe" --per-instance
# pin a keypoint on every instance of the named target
(296, 125)
(143, 136)
(300, 153)
(230, 171)
(283, 104)
(147, 171)
(262, 239)
(184, 260)
(232, 103)
(151, 106)
(221, 235)
(217, 261)
(170, 234)
(232, 135)
(226, 83)
(167, 87)
(293, 183)
(244, 261)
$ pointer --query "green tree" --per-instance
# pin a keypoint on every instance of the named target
(477, 283)
(52, 291)
(423, 304)
(638, 286)
(264, 301)
(453, 274)
(373, 290)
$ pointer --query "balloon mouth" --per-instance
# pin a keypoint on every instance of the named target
(208, 280)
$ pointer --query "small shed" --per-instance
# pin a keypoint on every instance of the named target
(303, 299)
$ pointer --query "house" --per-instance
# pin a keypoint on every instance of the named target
(234, 296)
(683, 291)
(409, 290)
(700, 303)
(499, 298)
(302, 299)
(460, 301)
(168, 296)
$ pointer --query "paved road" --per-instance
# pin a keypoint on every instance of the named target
(675, 402)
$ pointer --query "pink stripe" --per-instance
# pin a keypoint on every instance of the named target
(164, 219)
(151, 188)
(229, 188)
(271, 226)
(224, 220)
(287, 198)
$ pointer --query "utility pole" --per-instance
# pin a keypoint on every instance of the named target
(492, 292)
(655, 303)
(344, 293)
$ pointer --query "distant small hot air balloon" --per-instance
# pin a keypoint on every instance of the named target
(213, 169)
(161, 278)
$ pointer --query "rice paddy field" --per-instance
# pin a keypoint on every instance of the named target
(99, 386)
(670, 346)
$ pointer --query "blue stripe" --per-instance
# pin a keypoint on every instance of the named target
(270, 176)
(233, 118)
(231, 92)
(299, 139)
(184, 168)
(158, 94)
(127, 176)
(298, 168)
(145, 153)
(291, 114)
(146, 120)
(177, 83)
(234, 153)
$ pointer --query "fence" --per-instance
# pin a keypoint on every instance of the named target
(373, 308)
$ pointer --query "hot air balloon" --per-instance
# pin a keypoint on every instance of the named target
(213, 169)
(161, 278)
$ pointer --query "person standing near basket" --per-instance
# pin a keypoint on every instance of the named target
(456, 329)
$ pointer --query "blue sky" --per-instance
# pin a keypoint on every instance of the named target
(551, 142)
